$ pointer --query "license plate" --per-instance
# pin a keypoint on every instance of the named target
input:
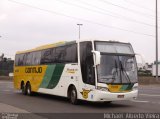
(120, 96)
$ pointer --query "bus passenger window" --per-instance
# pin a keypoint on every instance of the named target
(46, 56)
(36, 58)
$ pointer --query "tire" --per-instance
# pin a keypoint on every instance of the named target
(108, 102)
(73, 95)
(23, 89)
(28, 89)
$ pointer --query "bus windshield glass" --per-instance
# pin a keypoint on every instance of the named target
(118, 64)
(120, 48)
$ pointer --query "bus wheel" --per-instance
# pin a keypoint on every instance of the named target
(107, 102)
(73, 95)
(23, 89)
(28, 89)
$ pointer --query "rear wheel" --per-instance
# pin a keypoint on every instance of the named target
(28, 89)
(73, 96)
(23, 89)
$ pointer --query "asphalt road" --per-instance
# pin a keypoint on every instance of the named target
(47, 105)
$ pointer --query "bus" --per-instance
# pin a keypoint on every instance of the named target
(90, 70)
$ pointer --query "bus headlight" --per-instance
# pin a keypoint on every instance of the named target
(102, 88)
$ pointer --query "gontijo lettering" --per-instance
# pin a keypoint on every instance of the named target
(33, 70)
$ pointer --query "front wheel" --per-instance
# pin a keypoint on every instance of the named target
(107, 102)
(73, 96)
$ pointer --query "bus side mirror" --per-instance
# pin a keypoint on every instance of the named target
(97, 57)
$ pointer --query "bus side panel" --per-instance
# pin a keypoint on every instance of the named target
(70, 77)
(33, 74)
(51, 80)
(66, 75)
(18, 77)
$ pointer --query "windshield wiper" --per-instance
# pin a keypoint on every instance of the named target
(124, 71)
(116, 72)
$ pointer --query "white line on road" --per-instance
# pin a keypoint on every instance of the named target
(6, 82)
(141, 101)
(149, 95)
(7, 90)
(144, 101)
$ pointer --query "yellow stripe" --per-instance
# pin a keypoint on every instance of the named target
(116, 88)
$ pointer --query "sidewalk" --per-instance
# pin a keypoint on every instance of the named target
(4, 108)
(11, 112)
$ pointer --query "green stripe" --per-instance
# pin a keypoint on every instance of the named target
(56, 76)
(123, 88)
(126, 87)
(52, 76)
(48, 76)
(130, 87)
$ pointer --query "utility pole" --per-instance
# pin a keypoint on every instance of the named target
(79, 30)
(156, 40)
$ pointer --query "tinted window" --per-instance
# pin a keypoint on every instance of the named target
(16, 60)
(66, 54)
(86, 59)
(59, 54)
(46, 56)
(19, 60)
(71, 54)
(28, 60)
(63, 54)
(36, 58)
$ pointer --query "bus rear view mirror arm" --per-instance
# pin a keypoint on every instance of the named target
(97, 57)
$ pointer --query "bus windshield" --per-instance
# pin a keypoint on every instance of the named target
(117, 69)
(118, 64)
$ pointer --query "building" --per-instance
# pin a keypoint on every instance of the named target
(6, 66)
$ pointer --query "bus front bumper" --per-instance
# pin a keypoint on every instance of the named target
(108, 96)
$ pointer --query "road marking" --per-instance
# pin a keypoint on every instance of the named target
(144, 101)
(7, 90)
(155, 103)
(149, 95)
(6, 82)
(141, 101)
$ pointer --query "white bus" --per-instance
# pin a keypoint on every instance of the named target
(92, 70)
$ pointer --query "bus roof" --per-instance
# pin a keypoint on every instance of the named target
(61, 43)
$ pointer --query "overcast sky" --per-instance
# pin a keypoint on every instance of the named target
(26, 24)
